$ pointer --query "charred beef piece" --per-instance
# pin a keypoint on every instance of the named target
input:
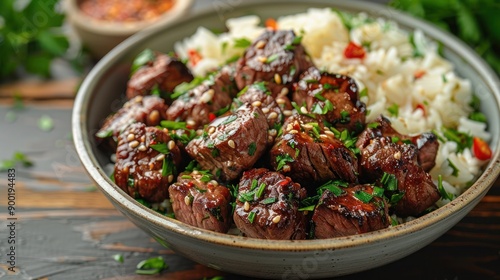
(199, 201)
(427, 143)
(334, 96)
(259, 96)
(231, 143)
(343, 213)
(267, 206)
(163, 71)
(311, 154)
(146, 162)
(149, 110)
(382, 156)
(277, 57)
(196, 106)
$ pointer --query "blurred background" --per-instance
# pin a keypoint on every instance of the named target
(43, 45)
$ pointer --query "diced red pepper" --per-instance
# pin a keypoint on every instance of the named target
(354, 51)
(418, 74)
(421, 107)
(481, 149)
(194, 57)
(211, 117)
(271, 23)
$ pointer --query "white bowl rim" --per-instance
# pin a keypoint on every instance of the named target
(478, 189)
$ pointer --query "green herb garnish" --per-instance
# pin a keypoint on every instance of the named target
(151, 266)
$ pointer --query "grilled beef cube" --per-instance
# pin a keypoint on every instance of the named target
(146, 162)
(195, 106)
(267, 206)
(199, 201)
(382, 156)
(224, 80)
(231, 143)
(334, 96)
(277, 57)
(149, 110)
(427, 143)
(343, 213)
(311, 154)
(164, 72)
(259, 96)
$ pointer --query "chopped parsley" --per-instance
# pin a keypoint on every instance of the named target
(389, 181)
(444, 194)
(272, 58)
(363, 196)
(252, 148)
(251, 217)
(161, 148)
(151, 266)
(393, 110)
(242, 43)
(282, 160)
(173, 125)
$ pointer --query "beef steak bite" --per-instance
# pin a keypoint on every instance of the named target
(160, 70)
(427, 143)
(200, 201)
(349, 211)
(277, 57)
(146, 162)
(197, 106)
(311, 154)
(382, 157)
(267, 206)
(150, 110)
(231, 143)
(333, 96)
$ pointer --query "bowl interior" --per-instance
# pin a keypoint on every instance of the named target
(102, 92)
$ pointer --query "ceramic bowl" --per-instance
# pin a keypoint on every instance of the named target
(102, 93)
(102, 36)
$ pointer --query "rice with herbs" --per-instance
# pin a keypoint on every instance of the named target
(401, 76)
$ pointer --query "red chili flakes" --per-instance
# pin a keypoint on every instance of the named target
(194, 57)
(271, 23)
(418, 74)
(354, 51)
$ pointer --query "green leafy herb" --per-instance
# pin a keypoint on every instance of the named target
(389, 181)
(184, 87)
(260, 191)
(396, 197)
(363, 196)
(455, 169)
(143, 58)
(160, 147)
(393, 110)
(251, 217)
(462, 139)
(444, 194)
(282, 159)
(377, 191)
(252, 148)
(268, 200)
(173, 125)
(45, 123)
(272, 58)
(242, 43)
(17, 158)
(151, 266)
(118, 258)
(230, 119)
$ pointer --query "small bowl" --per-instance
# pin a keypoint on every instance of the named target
(102, 36)
(102, 93)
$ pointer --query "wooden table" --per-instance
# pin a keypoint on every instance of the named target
(66, 229)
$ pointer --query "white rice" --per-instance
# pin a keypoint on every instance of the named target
(387, 72)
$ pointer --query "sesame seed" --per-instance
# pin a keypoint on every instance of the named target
(256, 103)
(143, 138)
(171, 144)
(262, 59)
(260, 44)
(199, 132)
(324, 136)
(207, 96)
(138, 99)
(293, 131)
(397, 155)
(280, 101)
(130, 137)
(273, 115)
(303, 110)
(214, 183)
(154, 116)
(273, 132)
(195, 172)
(289, 127)
(246, 206)
(284, 91)
(231, 143)
(287, 113)
(191, 123)
(133, 144)
(151, 166)
(142, 148)
(286, 168)
(277, 219)
(270, 139)
(307, 126)
(170, 178)
(160, 157)
(187, 200)
(328, 132)
(211, 130)
(265, 110)
(277, 78)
